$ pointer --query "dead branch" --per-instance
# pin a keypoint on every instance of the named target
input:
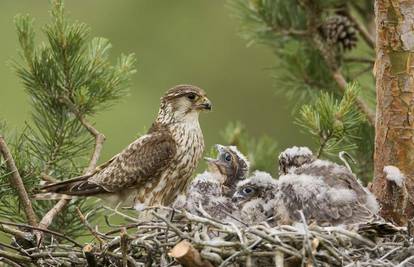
(17, 182)
(26, 226)
(48, 217)
(199, 241)
(15, 257)
(188, 256)
(124, 247)
(89, 227)
(90, 257)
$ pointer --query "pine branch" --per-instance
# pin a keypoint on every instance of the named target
(362, 105)
(16, 180)
(369, 40)
(330, 58)
(68, 79)
(62, 203)
(333, 124)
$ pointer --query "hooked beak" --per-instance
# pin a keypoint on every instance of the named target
(205, 104)
(236, 197)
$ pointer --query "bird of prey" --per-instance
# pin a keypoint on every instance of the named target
(279, 201)
(156, 167)
(214, 188)
(300, 160)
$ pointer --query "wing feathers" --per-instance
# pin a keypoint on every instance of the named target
(142, 160)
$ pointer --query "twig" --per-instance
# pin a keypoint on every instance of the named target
(15, 257)
(90, 228)
(99, 140)
(407, 260)
(89, 256)
(56, 209)
(292, 252)
(10, 262)
(16, 233)
(124, 247)
(360, 60)
(17, 182)
(279, 258)
(188, 256)
(369, 40)
(307, 244)
(42, 230)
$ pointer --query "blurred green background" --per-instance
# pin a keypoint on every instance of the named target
(175, 42)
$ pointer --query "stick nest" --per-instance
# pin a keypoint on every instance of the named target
(167, 237)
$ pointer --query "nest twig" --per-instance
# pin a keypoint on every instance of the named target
(159, 239)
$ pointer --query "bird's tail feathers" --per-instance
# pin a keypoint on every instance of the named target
(55, 187)
(52, 196)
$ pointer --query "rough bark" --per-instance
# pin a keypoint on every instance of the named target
(394, 139)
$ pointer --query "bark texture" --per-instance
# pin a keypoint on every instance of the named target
(394, 140)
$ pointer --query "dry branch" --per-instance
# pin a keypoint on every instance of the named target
(17, 182)
(188, 256)
(196, 240)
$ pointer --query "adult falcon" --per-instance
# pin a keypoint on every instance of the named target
(156, 167)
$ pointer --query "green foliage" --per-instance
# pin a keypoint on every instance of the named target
(67, 78)
(306, 65)
(301, 74)
(262, 21)
(333, 124)
(262, 152)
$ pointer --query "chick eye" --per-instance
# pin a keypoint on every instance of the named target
(227, 157)
(191, 96)
(248, 190)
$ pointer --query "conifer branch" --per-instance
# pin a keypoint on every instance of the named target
(362, 105)
(330, 58)
(17, 182)
(369, 40)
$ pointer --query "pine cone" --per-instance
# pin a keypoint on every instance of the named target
(338, 30)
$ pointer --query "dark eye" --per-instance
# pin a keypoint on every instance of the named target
(191, 96)
(227, 157)
(248, 190)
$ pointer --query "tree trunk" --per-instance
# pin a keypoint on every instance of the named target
(394, 139)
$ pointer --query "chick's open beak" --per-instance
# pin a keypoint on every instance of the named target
(215, 164)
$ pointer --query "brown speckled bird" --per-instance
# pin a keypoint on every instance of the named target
(156, 167)
(214, 188)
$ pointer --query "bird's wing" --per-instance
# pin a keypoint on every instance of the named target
(323, 205)
(335, 176)
(142, 160)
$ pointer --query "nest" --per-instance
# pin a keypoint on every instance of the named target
(167, 237)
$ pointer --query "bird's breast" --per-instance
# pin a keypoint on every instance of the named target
(175, 178)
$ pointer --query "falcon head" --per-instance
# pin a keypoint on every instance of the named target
(230, 164)
(294, 157)
(260, 186)
(183, 102)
